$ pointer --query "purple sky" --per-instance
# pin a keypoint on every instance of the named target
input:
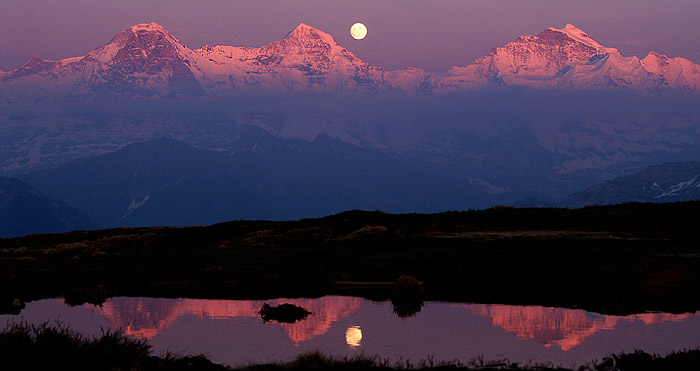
(433, 35)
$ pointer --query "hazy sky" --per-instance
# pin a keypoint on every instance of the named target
(430, 34)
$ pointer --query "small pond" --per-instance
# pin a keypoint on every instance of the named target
(232, 332)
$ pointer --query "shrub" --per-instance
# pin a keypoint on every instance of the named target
(408, 296)
(284, 313)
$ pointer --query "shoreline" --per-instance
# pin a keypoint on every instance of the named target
(613, 260)
(56, 346)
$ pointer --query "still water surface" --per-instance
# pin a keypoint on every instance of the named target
(232, 332)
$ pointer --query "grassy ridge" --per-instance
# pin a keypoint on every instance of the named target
(613, 259)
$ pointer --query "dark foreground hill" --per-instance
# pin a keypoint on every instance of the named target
(24, 210)
(613, 259)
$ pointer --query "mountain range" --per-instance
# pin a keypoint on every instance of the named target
(167, 182)
(145, 131)
(559, 327)
(147, 59)
(146, 318)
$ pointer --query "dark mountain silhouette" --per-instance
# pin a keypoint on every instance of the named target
(24, 210)
(167, 182)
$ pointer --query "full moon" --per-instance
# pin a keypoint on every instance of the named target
(353, 336)
(358, 31)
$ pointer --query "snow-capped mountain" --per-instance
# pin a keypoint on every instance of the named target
(144, 59)
(680, 73)
(527, 60)
(307, 59)
(147, 59)
(568, 58)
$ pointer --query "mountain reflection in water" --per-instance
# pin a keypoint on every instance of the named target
(147, 317)
(564, 328)
(232, 332)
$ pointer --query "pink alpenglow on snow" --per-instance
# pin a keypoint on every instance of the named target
(147, 59)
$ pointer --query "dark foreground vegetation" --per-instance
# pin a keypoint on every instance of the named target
(688, 360)
(55, 347)
(283, 313)
(612, 259)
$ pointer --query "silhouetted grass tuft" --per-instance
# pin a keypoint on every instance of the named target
(55, 347)
(686, 360)
(319, 361)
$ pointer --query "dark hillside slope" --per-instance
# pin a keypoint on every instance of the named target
(668, 182)
(24, 210)
(167, 182)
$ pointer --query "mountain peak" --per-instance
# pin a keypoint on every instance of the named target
(581, 36)
(144, 32)
(33, 62)
(304, 31)
(656, 63)
(304, 26)
(653, 54)
(38, 64)
(573, 31)
(148, 27)
(571, 28)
